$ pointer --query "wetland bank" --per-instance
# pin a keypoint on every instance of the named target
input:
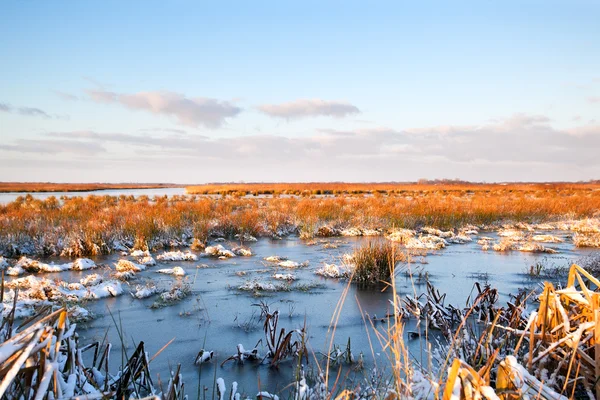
(205, 275)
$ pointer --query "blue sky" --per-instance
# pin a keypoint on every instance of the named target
(299, 91)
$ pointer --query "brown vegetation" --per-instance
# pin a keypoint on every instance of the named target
(23, 187)
(96, 224)
(423, 186)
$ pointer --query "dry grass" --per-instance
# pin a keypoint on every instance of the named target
(336, 188)
(376, 262)
(21, 187)
(86, 226)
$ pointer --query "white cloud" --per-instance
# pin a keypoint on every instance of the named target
(190, 111)
(520, 147)
(304, 108)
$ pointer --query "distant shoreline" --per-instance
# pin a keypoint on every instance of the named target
(39, 187)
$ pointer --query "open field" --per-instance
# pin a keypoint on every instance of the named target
(23, 187)
(337, 188)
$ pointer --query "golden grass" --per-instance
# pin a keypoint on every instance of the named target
(337, 188)
(22, 187)
(90, 225)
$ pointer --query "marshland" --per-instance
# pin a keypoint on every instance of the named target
(308, 292)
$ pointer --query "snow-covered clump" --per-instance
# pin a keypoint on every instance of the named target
(91, 280)
(511, 234)
(147, 261)
(218, 251)
(586, 240)
(546, 239)
(535, 248)
(242, 251)
(292, 264)
(203, 357)
(177, 271)
(143, 291)
(82, 264)
(128, 266)
(246, 237)
(461, 238)
(112, 288)
(333, 271)
(254, 285)
(401, 235)
(436, 232)
(178, 292)
(275, 259)
(426, 242)
(285, 277)
(177, 256)
(140, 253)
(33, 266)
(78, 314)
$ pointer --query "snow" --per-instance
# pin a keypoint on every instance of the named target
(333, 271)
(144, 291)
(242, 251)
(254, 285)
(266, 396)
(291, 264)
(77, 314)
(204, 356)
(218, 251)
(177, 256)
(128, 266)
(426, 242)
(401, 235)
(285, 277)
(546, 239)
(177, 271)
(275, 259)
(26, 264)
(148, 261)
(140, 253)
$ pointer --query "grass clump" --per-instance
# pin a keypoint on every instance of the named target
(376, 262)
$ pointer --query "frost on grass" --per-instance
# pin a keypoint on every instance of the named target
(587, 240)
(177, 256)
(426, 242)
(140, 253)
(148, 261)
(177, 292)
(242, 251)
(34, 291)
(177, 271)
(546, 239)
(125, 266)
(334, 271)
(246, 237)
(219, 251)
(285, 277)
(33, 266)
(260, 286)
(126, 269)
(144, 291)
(507, 244)
(79, 314)
(354, 231)
(401, 235)
(291, 264)
(275, 259)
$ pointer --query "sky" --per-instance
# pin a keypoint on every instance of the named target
(238, 91)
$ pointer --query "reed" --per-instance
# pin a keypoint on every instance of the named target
(99, 224)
